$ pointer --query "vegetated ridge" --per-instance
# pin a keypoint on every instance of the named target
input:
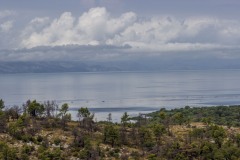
(45, 131)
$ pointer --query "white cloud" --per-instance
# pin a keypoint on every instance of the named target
(99, 27)
(148, 32)
(6, 20)
(94, 27)
(6, 26)
(6, 13)
(9, 31)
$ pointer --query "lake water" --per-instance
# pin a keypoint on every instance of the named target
(133, 92)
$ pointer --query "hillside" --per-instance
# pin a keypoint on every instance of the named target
(44, 131)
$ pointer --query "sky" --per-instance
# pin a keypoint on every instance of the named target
(117, 29)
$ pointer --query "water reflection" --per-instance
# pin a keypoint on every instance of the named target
(151, 90)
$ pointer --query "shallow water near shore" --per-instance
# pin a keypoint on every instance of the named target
(117, 92)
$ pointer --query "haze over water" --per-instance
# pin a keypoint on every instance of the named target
(117, 92)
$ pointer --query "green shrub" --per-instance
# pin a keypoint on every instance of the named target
(135, 155)
(39, 138)
(24, 156)
(51, 154)
(152, 157)
(57, 141)
(83, 154)
(8, 153)
(27, 149)
(116, 150)
(112, 153)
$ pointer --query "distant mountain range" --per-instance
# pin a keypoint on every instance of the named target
(48, 67)
(146, 65)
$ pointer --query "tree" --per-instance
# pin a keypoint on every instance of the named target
(164, 119)
(13, 112)
(197, 133)
(123, 130)
(230, 152)
(86, 118)
(218, 135)
(83, 112)
(25, 106)
(179, 118)
(63, 110)
(141, 120)
(19, 127)
(237, 139)
(3, 122)
(158, 131)
(111, 135)
(35, 109)
(65, 117)
(134, 135)
(109, 118)
(145, 138)
(50, 107)
(207, 120)
(206, 150)
(124, 119)
(1, 105)
(7, 153)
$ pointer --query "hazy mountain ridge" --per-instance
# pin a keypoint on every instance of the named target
(48, 67)
(139, 65)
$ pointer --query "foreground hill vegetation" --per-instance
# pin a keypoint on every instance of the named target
(45, 131)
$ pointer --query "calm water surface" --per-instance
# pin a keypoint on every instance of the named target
(134, 92)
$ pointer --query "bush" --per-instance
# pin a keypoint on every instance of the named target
(57, 141)
(113, 154)
(7, 153)
(152, 157)
(27, 138)
(135, 155)
(27, 149)
(83, 154)
(24, 156)
(39, 138)
(48, 154)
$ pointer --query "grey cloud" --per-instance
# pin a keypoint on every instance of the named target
(6, 14)
(109, 53)
(66, 53)
(6, 26)
(111, 58)
(98, 35)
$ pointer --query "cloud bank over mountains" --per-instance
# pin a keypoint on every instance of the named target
(98, 34)
(98, 27)
(94, 27)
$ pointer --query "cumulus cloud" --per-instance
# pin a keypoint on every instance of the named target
(7, 32)
(93, 27)
(6, 26)
(99, 27)
(6, 20)
(35, 25)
